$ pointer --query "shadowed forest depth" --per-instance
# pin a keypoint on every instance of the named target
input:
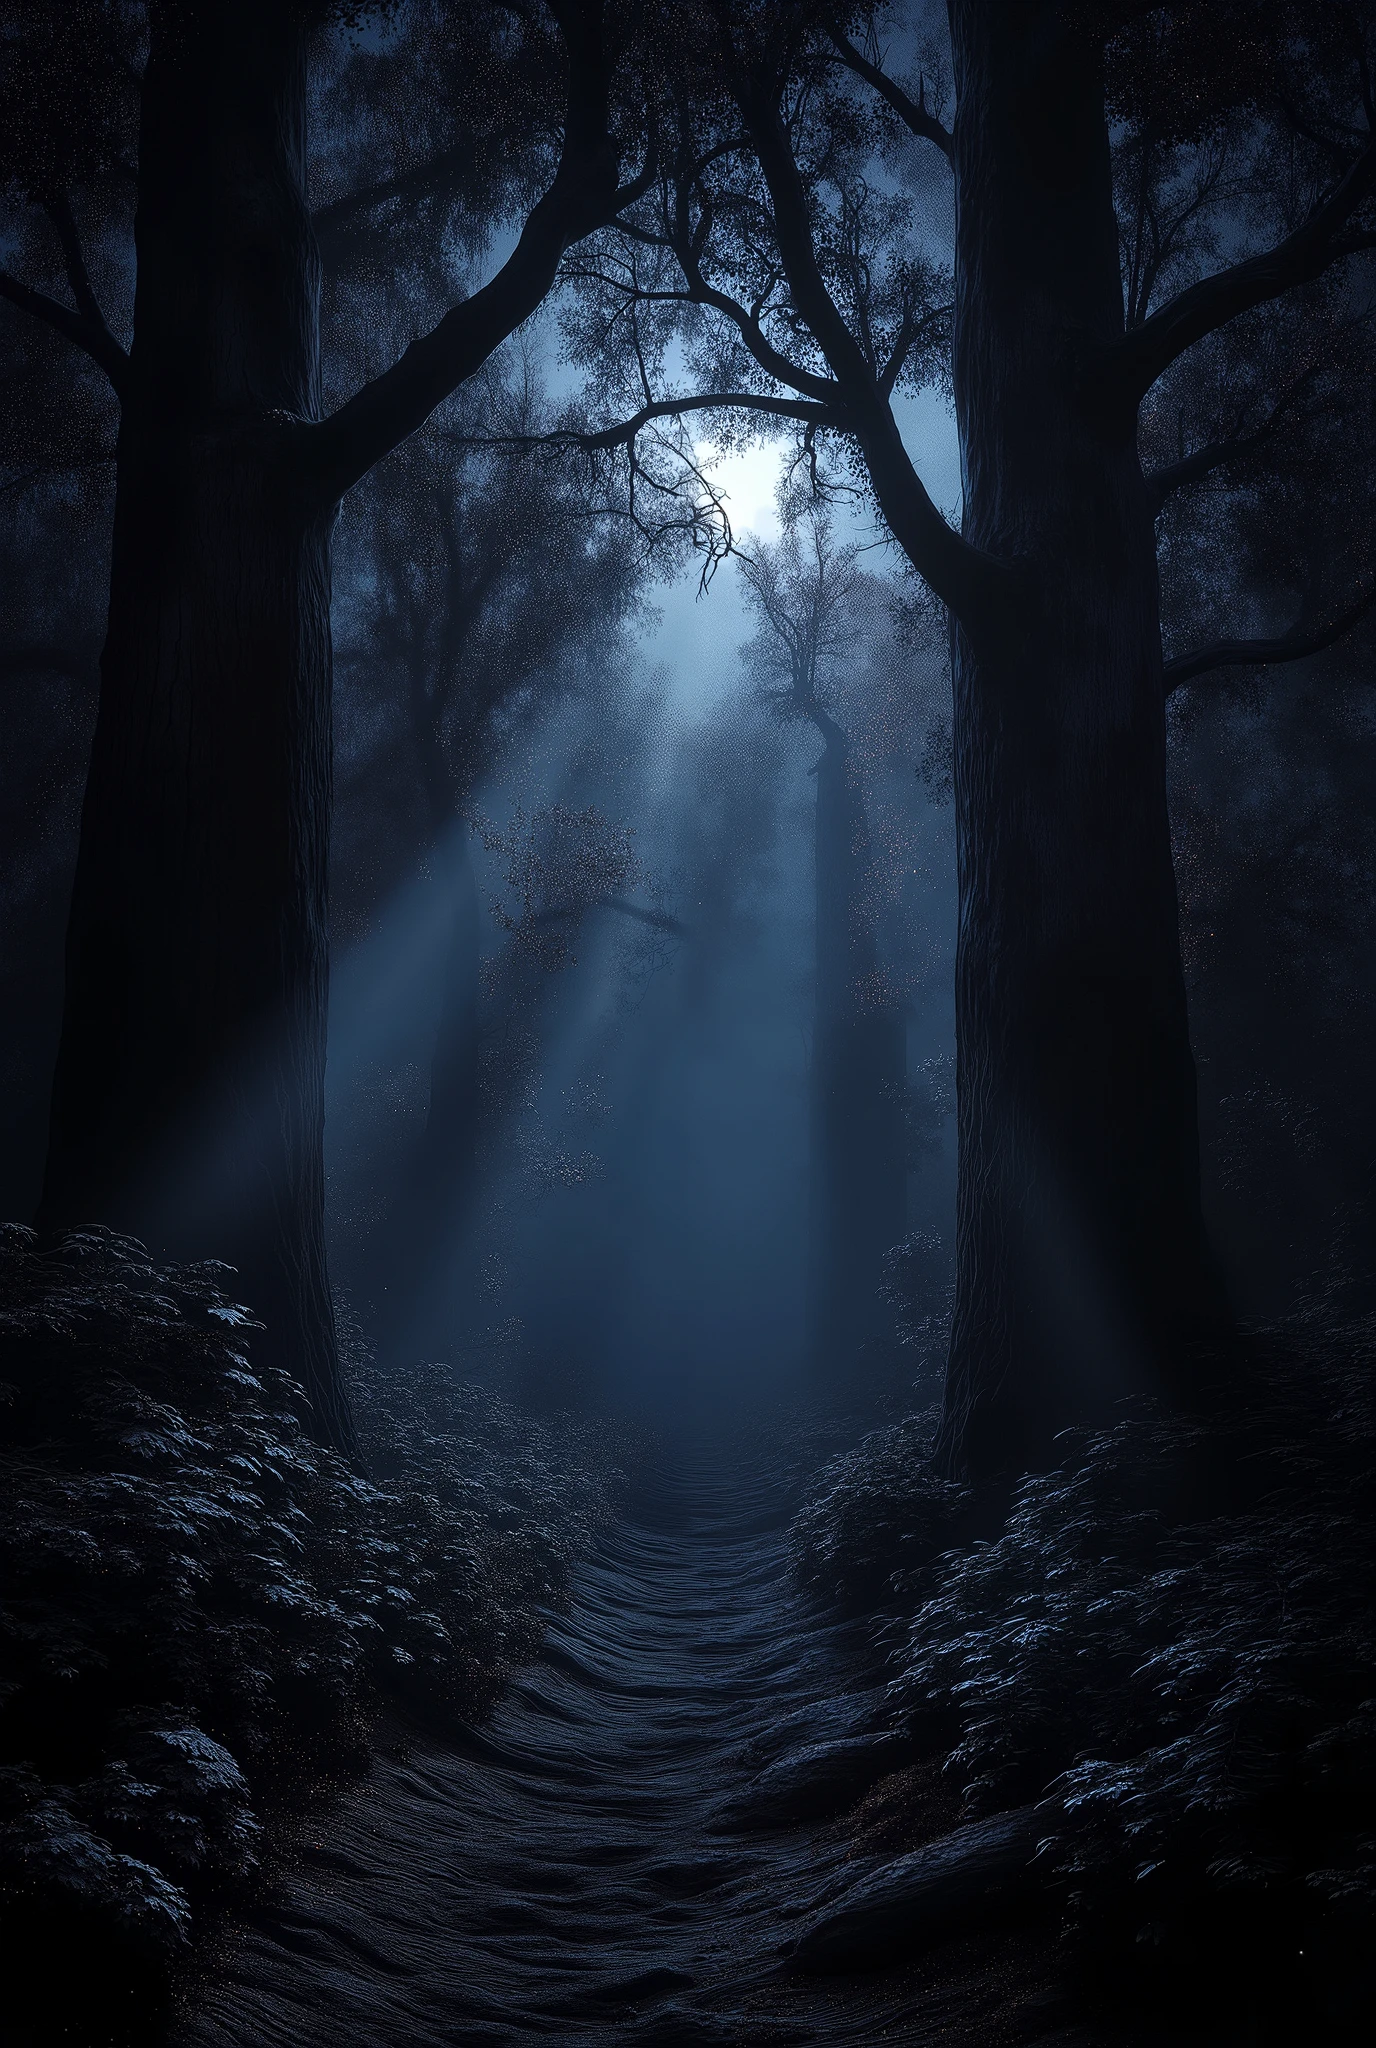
(689, 834)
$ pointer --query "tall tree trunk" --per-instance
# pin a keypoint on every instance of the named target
(859, 1180)
(1081, 1254)
(188, 1102)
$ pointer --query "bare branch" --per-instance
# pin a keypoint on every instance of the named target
(437, 173)
(746, 320)
(909, 334)
(1217, 454)
(59, 212)
(1336, 146)
(1159, 237)
(1192, 469)
(96, 342)
(970, 582)
(913, 113)
(584, 196)
(1122, 375)
(603, 439)
(1292, 646)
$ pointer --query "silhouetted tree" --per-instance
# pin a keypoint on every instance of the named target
(188, 1098)
(804, 591)
(802, 293)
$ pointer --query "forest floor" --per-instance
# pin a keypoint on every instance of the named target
(588, 1867)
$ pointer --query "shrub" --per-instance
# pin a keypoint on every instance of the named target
(199, 1607)
(875, 1513)
(1174, 1636)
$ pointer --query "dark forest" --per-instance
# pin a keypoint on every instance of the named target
(687, 1107)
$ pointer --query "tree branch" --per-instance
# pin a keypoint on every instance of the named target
(603, 439)
(910, 333)
(584, 196)
(970, 582)
(1292, 646)
(446, 168)
(913, 113)
(59, 212)
(95, 341)
(745, 319)
(1122, 375)
(1192, 469)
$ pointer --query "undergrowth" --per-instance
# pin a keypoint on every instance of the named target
(1172, 1642)
(876, 1510)
(201, 1611)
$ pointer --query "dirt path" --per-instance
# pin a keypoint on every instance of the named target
(575, 1874)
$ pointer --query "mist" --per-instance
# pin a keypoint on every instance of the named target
(689, 1300)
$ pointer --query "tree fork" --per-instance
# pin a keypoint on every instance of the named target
(188, 1099)
(188, 1102)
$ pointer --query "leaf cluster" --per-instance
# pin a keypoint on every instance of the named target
(202, 1610)
(875, 1511)
(561, 864)
(1171, 1641)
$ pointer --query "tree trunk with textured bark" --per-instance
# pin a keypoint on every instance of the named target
(1082, 1263)
(188, 1101)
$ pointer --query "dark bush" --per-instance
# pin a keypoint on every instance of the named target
(201, 1610)
(877, 1512)
(1173, 1639)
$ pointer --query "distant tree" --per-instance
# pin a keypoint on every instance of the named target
(792, 283)
(479, 586)
(806, 592)
(188, 1098)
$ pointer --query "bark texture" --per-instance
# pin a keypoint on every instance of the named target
(188, 1102)
(1081, 1254)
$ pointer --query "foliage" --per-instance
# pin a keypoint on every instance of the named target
(807, 596)
(562, 864)
(919, 1286)
(476, 591)
(68, 93)
(876, 1511)
(201, 1608)
(1172, 1637)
